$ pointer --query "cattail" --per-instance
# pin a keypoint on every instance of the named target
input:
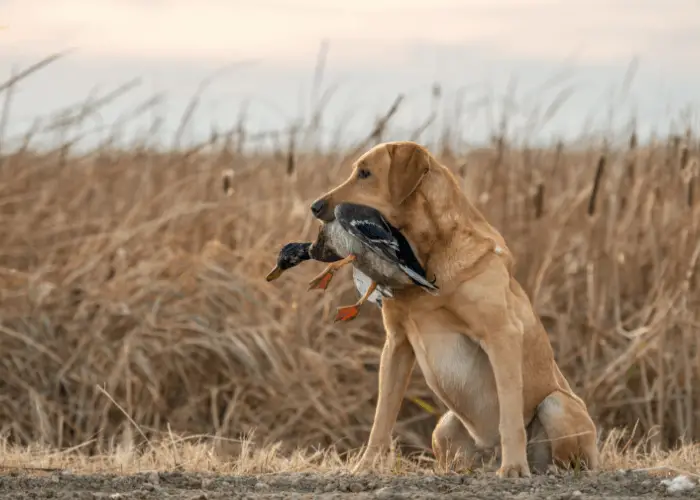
(539, 200)
(692, 173)
(227, 182)
(596, 184)
(291, 165)
(631, 165)
(672, 150)
(463, 170)
(633, 141)
(685, 156)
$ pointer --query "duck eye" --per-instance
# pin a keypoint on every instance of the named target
(363, 174)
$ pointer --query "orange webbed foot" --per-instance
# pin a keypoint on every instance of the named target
(347, 313)
(321, 282)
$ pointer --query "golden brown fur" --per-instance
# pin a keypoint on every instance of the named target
(479, 344)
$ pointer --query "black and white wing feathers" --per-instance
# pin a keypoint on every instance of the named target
(376, 233)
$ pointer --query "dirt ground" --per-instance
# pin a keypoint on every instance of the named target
(175, 485)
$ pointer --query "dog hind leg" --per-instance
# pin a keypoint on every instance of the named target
(455, 448)
(570, 430)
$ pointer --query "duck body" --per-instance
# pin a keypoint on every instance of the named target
(381, 252)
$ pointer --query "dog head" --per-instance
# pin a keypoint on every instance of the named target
(424, 200)
(384, 178)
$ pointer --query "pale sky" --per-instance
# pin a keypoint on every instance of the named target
(377, 48)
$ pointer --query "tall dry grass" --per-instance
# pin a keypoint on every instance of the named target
(132, 290)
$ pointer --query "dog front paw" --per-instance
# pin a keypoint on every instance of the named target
(369, 460)
(517, 469)
(365, 464)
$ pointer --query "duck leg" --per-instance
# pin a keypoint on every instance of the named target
(346, 313)
(322, 280)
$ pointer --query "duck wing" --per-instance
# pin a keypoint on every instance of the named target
(371, 228)
(409, 262)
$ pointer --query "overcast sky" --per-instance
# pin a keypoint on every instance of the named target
(376, 49)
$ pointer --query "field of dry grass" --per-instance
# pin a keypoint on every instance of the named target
(133, 307)
(197, 454)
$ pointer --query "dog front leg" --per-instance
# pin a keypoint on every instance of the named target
(395, 367)
(504, 349)
(485, 308)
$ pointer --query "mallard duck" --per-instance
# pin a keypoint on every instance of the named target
(381, 255)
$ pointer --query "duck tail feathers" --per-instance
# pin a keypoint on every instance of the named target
(421, 281)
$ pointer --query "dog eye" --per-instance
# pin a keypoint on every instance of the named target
(363, 174)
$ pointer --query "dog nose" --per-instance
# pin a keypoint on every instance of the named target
(318, 207)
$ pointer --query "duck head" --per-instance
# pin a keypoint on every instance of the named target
(291, 255)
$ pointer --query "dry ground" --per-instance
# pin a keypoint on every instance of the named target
(193, 486)
(179, 468)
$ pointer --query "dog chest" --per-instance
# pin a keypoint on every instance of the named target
(453, 360)
(458, 371)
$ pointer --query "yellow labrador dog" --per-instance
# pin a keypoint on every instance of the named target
(481, 347)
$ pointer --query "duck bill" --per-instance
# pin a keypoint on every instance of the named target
(274, 274)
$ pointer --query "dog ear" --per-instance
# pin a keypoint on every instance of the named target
(410, 163)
